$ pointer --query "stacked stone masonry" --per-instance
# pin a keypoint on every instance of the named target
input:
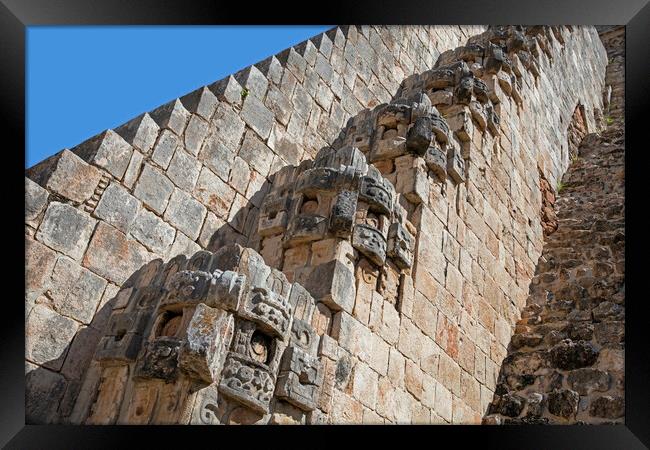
(368, 256)
(566, 359)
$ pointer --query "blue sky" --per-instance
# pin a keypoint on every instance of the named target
(83, 80)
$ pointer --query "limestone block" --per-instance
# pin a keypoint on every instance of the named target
(185, 213)
(172, 115)
(217, 156)
(165, 147)
(271, 68)
(455, 165)
(184, 170)
(35, 202)
(68, 175)
(183, 246)
(253, 80)
(333, 284)
(152, 232)
(117, 207)
(43, 392)
(47, 336)
(279, 104)
(214, 193)
(140, 132)
(201, 102)
(195, 133)
(364, 385)
(66, 229)
(107, 150)
(257, 116)
(74, 290)
(256, 153)
(227, 90)
(39, 262)
(113, 256)
(414, 184)
(133, 170)
(153, 188)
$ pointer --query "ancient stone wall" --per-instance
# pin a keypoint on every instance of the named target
(414, 232)
(565, 362)
(163, 183)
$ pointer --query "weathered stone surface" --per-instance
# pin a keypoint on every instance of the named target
(256, 153)
(184, 170)
(117, 207)
(563, 402)
(35, 201)
(39, 262)
(113, 256)
(75, 291)
(195, 133)
(608, 407)
(201, 102)
(214, 193)
(107, 150)
(47, 335)
(573, 355)
(257, 116)
(153, 188)
(587, 380)
(68, 175)
(185, 213)
(140, 132)
(165, 147)
(152, 232)
(43, 392)
(66, 229)
(172, 115)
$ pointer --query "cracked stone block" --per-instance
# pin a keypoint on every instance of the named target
(184, 170)
(68, 175)
(185, 213)
(66, 229)
(140, 132)
(107, 150)
(35, 201)
(201, 102)
(167, 144)
(153, 188)
(113, 256)
(117, 207)
(153, 232)
(47, 336)
(172, 115)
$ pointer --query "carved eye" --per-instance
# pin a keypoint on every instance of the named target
(245, 374)
(260, 347)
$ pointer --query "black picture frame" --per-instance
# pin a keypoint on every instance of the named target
(16, 15)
